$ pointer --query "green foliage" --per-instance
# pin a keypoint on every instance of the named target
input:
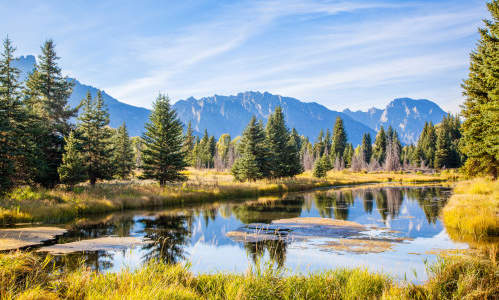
(321, 166)
(425, 150)
(46, 96)
(277, 137)
(339, 139)
(188, 147)
(348, 155)
(73, 169)
(124, 156)
(11, 117)
(293, 147)
(366, 147)
(253, 161)
(163, 155)
(480, 129)
(96, 139)
(379, 149)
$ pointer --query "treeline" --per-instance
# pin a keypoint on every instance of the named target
(248, 156)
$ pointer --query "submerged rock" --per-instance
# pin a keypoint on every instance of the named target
(16, 238)
(334, 235)
(99, 244)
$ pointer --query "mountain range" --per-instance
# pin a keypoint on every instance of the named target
(230, 114)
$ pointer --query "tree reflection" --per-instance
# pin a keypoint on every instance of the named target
(170, 234)
(267, 211)
(431, 200)
(275, 248)
(334, 203)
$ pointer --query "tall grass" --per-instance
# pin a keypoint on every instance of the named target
(26, 204)
(473, 209)
(26, 276)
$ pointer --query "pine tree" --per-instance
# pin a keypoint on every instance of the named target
(163, 155)
(72, 170)
(277, 137)
(96, 139)
(339, 139)
(425, 150)
(123, 153)
(366, 147)
(480, 129)
(212, 146)
(442, 154)
(188, 148)
(49, 92)
(253, 161)
(319, 146)
(293, 146)
(320, 168)
(379, 149)
(347, 155)
(46, 96)
(12, 116)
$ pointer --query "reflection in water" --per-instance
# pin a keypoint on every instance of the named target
(170, 234)
(176, 232)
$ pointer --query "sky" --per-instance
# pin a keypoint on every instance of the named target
(341, 54)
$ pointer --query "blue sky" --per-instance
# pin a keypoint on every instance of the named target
(342, 54)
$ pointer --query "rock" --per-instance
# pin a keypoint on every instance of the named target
(99, 244)
(16, 238)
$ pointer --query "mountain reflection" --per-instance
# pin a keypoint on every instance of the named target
(413, 211)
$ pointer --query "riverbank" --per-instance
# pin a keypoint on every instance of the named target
(26, 276)
(26, 204)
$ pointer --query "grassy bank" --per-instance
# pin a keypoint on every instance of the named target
(25, 276)
(28, 204)
(473, 209)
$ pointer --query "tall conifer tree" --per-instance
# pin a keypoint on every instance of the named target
(73, 169)
(123, 153)
(480, 128)
(379, 149)
(253, 161)
(339, 139)
(366, 147)
(163, 155)
(277, 137)
(96, 139)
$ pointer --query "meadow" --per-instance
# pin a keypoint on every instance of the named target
(26, 276)
(29, 204)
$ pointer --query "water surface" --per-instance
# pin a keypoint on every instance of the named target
(197, 233)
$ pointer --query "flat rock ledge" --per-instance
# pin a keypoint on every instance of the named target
(334, 235)
(110, 243)
(17, 238)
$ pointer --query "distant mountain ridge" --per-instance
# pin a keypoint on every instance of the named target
(119, 112)
(230, 114)
(405, 115)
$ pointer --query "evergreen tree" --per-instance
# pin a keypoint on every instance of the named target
(163, 155)
(277, 137)
(379, 149)
(189, 141)
(46, 95)
(49, 92)
(339, 139)
(11, 118)
(348, 155)
(253, 161)
(212, 146)
(442, 155)
(123, 153)
(293, 163)
(425, 150)
(366, 147)
(480, 129)
(72, 170)
(328, 141)
(96, 139)
(320, 166)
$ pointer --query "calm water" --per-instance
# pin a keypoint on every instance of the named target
(198, 233)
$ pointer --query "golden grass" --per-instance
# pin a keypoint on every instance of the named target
(473, 209)
(26, 276)
(26, 204)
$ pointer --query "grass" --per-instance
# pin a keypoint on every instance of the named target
(26, 276)
(473, 209)
(27, 204)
